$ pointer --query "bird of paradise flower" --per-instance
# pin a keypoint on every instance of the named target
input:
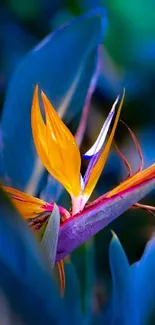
(59, 152)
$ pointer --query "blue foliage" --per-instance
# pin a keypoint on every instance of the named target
(122, 309)
(28, 287)
(15, 47)
(63, 65)
(89, 280)
(50, 235)
(143, 277)
(72, 298)
(24, 276)
(133, 296)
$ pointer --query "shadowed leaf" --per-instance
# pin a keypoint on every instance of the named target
(72, 297)
(25, 279)
(121, 309)
(143, 277)
(90, 279)
(50, 237)
(63, 65)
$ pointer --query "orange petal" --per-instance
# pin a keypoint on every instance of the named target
(97, 169)
(27, 205)
(140, 177)
(56, 145)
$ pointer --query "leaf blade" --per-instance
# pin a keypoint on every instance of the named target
(50, 237)
(25, 278)
(64, 77)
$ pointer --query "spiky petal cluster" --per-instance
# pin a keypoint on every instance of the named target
(59, 152)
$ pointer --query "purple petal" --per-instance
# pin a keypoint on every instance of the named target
(93, 219)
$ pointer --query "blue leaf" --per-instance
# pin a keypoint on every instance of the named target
(50, 237)
(143, 277)
(24, 276)
(63, 65)
(72, 295)
(52, 190)
(15, 47)
(90, 280)
(121, 309)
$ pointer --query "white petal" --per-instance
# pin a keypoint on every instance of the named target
(103, 133)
